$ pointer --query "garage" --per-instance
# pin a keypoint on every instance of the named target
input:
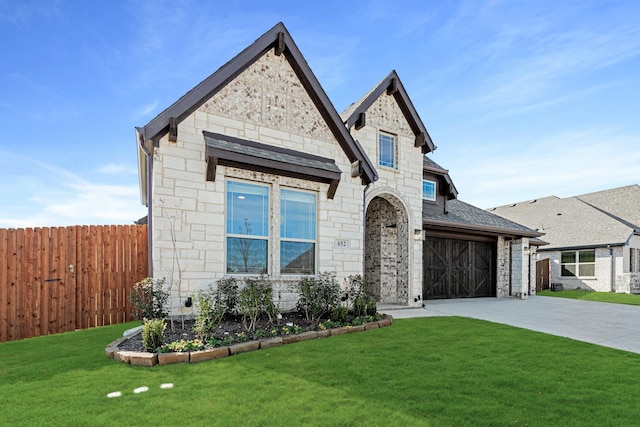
(455, 268)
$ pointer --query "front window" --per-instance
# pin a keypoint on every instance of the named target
(428, 190)
(297, 232)
(578, 263)
(247, 228)
(387, 150)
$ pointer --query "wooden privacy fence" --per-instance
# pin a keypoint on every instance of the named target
(65, 278)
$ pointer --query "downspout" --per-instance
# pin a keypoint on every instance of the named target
(149, 205)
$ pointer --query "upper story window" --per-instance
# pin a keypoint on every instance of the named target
(247, 228)
(297, 232)
(387, 150)
(428, 190)
(578, 263)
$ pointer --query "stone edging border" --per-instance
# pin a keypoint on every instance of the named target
(138, 358)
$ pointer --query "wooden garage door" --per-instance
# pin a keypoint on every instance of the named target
(458, 268)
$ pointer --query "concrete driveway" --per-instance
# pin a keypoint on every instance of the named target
(610, 325)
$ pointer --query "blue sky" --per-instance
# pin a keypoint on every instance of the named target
(524, 99)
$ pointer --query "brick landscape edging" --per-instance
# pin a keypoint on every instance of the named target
(138, 358)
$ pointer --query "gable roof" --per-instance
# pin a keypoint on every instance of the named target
(465, 217)
(428, 165)
(393, 86)
(277, 38)
(568, 223)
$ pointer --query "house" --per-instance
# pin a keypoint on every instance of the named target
(253, 171)
(594, 239)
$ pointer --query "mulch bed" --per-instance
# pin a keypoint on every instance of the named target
(228, 327)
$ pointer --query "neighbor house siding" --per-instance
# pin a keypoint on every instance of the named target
(601, 282)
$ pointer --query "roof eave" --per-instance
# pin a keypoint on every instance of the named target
(481, 228)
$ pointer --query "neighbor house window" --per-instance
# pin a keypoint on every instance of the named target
(634, 264)
(387, 150)
(578, 263)
(428, 190)
(297, 232)
(247, 228)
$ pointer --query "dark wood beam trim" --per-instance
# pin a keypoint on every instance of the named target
(280, 45)
(333, 187)
(421, 140)
(173, 129)
(361, 121)
(212, 164)
(393, 86)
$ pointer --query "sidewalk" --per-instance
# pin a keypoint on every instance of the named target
(610, 325)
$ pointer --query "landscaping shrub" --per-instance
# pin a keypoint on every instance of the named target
(362, 299)
(226, 295)
(153, 334)
(209, 313)
(340, 313)
(318, 295)
(256, 299)
(149, 299)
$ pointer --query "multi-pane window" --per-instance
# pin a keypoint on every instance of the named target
(428, 190)
(248, 224)
(247, 228)
(297, 232)
(386, 150)
(578, 263)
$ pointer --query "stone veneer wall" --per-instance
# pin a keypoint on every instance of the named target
(402, 186)
(504, 272)
(265, 103)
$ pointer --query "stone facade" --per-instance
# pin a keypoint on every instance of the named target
(189, 211)
(394, 206)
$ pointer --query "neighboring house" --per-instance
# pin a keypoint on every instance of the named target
(594, 239)
(254, 172)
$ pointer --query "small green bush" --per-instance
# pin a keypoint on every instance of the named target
(209, 314)
(339, 313)
(256, 299)
(318, 295)
(226, 295)
(149, 299)
(362, 300)
(153, 334)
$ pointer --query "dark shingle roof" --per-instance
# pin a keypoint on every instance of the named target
(465, 216)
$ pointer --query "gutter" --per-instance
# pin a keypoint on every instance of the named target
(149, 156)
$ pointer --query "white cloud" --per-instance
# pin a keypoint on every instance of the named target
(146, 110)
(113, 169)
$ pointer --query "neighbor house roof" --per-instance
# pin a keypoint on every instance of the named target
(279, 39)
(355, 114)
(568, 223)
(622, 203)
(465, 217)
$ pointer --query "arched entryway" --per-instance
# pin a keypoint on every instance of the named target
(387, 249)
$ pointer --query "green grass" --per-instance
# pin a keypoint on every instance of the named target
(431, 371)
(595, 296)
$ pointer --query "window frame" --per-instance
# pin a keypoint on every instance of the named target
(283, 239)
(230, 235)
(435, 187)
(394, 150)
(577, 263)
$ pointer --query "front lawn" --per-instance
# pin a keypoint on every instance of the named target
(430, 371)
(595, 296)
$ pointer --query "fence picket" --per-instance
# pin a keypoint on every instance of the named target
(55, 279)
